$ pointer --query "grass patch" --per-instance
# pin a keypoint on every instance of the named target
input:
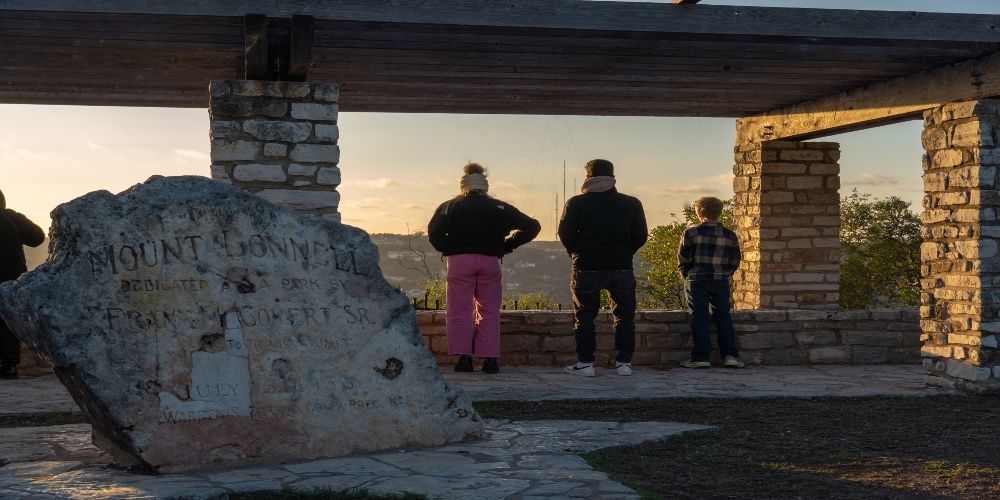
(317, 494)
(41, 419)
(855, 448)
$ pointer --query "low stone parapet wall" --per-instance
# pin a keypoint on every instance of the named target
(663, 338)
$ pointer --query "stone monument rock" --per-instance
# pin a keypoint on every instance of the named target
(196, 324)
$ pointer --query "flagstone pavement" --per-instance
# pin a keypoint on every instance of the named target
(519, 460)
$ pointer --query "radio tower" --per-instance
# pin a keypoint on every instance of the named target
(556, 225)
(563, 200)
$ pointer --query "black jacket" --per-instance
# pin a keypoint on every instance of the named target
(603, 230)
(15, 231)
(481, 225)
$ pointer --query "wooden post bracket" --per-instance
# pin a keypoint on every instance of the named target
(269, 59)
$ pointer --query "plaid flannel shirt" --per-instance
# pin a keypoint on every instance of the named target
(708, 251)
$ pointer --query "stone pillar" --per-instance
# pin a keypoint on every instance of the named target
(279, 141)
(960, 265)
(787, 210)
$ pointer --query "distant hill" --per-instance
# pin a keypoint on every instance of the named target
(538, 266)
(35, 256)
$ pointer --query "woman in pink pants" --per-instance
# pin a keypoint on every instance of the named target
(474, 230)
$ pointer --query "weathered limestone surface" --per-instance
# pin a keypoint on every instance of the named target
(787, 210)
(960, 261)
(278, 140)
(197, 324)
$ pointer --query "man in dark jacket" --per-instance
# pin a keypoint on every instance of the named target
(602, 229)
(15, 231)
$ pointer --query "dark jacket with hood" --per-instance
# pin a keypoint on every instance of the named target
(15, 231)
(478, 224)
(602, 230)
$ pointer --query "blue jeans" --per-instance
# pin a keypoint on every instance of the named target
(702, 297)
(586, 287)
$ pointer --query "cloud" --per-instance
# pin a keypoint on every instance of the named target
(387, 183)
(383, 183)
(876, 180)
(723, 179)
(370, 203)
(678, 191)
(711, 184)
(94, 145)
(505, 185)
(9, 152)
(190, 156)
(31, 155)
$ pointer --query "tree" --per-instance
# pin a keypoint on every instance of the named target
(435, 287)
(880, 245)
(659, 285)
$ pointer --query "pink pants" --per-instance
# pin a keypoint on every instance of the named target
(474, 305)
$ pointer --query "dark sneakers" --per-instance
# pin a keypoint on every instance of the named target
(464, 363)
(490, 365)
(8, 372)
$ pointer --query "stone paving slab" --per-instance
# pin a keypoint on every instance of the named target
(520, 460)
(56, 442)
(536, 383)
(41, 394)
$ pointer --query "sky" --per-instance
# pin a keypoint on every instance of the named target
(397, 168)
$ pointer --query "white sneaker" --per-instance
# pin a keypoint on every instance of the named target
(623, 369)
(581, 369)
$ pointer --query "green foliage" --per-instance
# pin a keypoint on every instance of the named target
(435, 294)
(880, 245)
(659, 284)
(531, 300)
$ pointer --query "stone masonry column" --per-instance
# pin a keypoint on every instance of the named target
(279, 141)
(960, 264)
(787, 210)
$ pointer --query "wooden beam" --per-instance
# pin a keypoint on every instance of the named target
(891, 101)
(255, 47)
(574, 14)
(300, 48)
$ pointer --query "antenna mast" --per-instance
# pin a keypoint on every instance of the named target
(564, 181)
(556, 225)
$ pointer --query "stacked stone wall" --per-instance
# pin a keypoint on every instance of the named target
(787, 209)
(279, 141)
(960, 263)
(663, 338)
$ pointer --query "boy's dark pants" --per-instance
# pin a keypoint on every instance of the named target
(586, 287)
(10, 347)
(700, 296)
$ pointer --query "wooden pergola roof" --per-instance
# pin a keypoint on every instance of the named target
(482, 56)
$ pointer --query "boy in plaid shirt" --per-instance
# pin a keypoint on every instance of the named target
(707, 257)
